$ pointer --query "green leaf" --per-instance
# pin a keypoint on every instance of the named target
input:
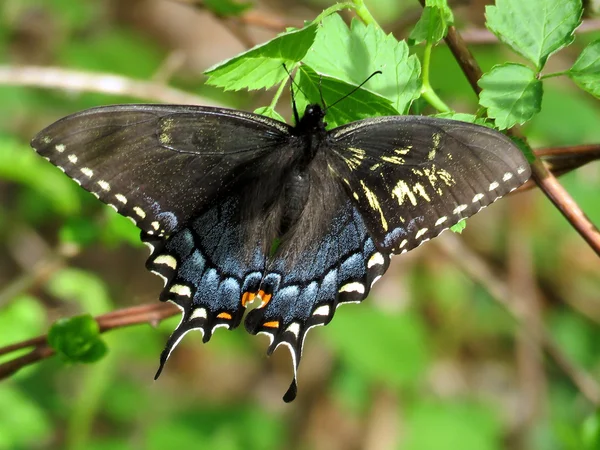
(511, 93)
(82, 286)
(20, 319)
(586, 70)
(353, 54)
(23, 420)
(459, 227)
(464, 426)
(117, 230)
(535, 28)
(525, 148)
(262, 66)
(80, 231)
(591, 432)
(226, 8)
(384, 335)
(463, 117)
(431, 26)
(136, 57)
(361, 104)
(442, 5)
(269, 112)
(77, 339)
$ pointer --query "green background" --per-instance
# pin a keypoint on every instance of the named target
(430, 361)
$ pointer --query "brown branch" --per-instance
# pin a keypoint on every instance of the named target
(151, 313)
(562, 160)
(566, 205)
(542, 176)
(238, 30)
(73, 80)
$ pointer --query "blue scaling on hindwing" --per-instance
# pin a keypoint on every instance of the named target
(340, 268)
(206, 269)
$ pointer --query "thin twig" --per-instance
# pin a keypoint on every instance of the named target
(542, 176)
(548, 183)
(562, 160)
(268, 21)
(78, 81)
(151, 313)
(566, 205)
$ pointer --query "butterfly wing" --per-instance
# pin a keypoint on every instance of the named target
(187, 176)
(412, 177)
(159, 165)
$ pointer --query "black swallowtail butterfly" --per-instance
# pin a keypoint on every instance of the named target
(238, 207)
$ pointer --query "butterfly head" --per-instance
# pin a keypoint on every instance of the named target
(312, 120)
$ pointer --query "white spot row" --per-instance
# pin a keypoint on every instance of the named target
(166, 260)
(87, 172)
(140, 212)
(322, 310)
(459, 209)
(181, 289)
(294, 328)
(375, 260)
(477, 198)
(421, 232)
(199, 313)
(353, 287)
(441, 220)
(103, 185)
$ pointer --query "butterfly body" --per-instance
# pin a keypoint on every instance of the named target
(239, 207)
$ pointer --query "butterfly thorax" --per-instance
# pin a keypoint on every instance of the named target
(311, 129)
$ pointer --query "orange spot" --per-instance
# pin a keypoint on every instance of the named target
(266, 298)
(274, 324)
(224, 315)
(247, 297)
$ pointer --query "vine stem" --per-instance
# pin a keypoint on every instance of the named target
(554, 74)
(363, 12)
(78, 81)
(278, 93)
(427, 91)
(151, 313)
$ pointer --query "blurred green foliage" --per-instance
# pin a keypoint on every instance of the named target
(429, 336)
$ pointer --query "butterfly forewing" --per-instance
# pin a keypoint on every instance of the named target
(160, 165)
(413, 177)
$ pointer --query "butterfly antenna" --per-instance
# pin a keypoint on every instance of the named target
(292, 84)
(321, 93)
(377, 72)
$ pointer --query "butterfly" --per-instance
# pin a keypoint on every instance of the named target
(239, 209)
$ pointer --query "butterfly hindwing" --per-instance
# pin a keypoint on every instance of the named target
(413, 177)
(328, 259)
(159, 165)
(207, 266)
